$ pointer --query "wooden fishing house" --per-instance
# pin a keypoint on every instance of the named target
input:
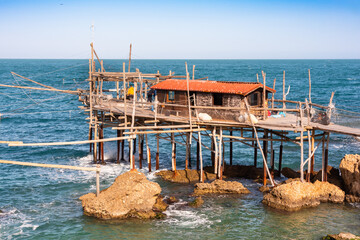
(216, 98)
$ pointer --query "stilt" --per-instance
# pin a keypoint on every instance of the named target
(148, 152)
(272, 162)
(187, 151)
(141, 150)
(280, 159)
(157, 152)
(102, 145)
(190, 135)
(231, 149)
(312, 150)
(173, 152)
(122, 147)
(201, 160)
(326, 164)
(90, 137)
(118, 147)
(197, 156)
(212, 152)
(265, 156)
(323, 158)
(220, 155)
(255, 154)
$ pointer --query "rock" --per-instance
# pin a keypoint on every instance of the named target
(265, 189)
(295, 195)
(220, 187)
(341, 236)
(241, 171)
(131, 195)
(171, 200)
(350, 173)
(184, 176)
(333, 177)
(289, 173)
(198, 202)
(160, 205)
(351, 198)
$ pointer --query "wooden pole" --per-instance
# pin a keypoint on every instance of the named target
(280, 159)
(264, 94)
(255, 154)
(148, 153)
(187, 151)
(284, 96)
(118, 134)
(309, 86)
(190, 136)
(193, 73)
(98, 182)
(197, 155)
(323, 159)
(201, 160)
(141, 150)
(90, 136)
(129, 58)
(102, 145)
(122, 148)
(157, 152)
(265, 155)
(220, 155)
(231, 149)
(273, 95)
(312, 150)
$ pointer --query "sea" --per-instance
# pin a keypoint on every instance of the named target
(43, 203)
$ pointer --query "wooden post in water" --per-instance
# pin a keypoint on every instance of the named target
(265, 155)
(148, 152)
(312, 150)
(231, 149)
(90, 136)
(280, 158)
(102, 145)
(141, 150)
(157, 152)
(190, 135)
(284, 96)
(118, 134)
(197, 156)
(187, 151)
(122, 147)
(255, 154)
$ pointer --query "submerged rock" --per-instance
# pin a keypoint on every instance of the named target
(295, 195)
(333, 176)
(131, 195)
(241, 171)
(341, 236)
(351, 198)
(220, 187)
(289, 173)
(198, 202)
(171, 200)
(184, 176)
(350, 172)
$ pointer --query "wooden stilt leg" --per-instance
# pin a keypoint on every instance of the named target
(118, 147)
(265, 155)
(102, 146)
(122, 147)
(255, 154)
(141, 150)
(90, 137)
(187, 152)
(197, 156)
(148, 152)
(280, 159)
(190, 150)
(272, 163)
(157, 153)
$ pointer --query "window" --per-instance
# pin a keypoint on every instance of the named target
(218, 99)
(171, 96)
(254, 99)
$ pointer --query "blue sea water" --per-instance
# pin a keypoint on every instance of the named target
(41, 203)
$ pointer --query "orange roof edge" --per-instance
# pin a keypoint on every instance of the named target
(242, 88)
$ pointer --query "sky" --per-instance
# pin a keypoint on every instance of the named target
(188, 29)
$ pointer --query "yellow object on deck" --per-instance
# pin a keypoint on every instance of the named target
(130, 91)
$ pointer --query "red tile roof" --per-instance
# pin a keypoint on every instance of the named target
(242, 88)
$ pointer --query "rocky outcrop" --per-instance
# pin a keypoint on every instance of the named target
(295, 195)
(289, 173)
(352, 198)
(341, 236)
(184, 176)
(333, 177)
(198, 202)
(350, 172)
(241, 171)
(220, 187)
(130, 196)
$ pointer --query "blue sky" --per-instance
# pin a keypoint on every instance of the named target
(257, 29)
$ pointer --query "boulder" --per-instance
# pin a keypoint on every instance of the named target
(220, 187)
(240, 171)
(295, 195)
(131, 195)
(350, 173)
(333, 177)
(184, 176)
(351, 198)
(171, 200)
(289, 173)
(198, 202)
(341, 236)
